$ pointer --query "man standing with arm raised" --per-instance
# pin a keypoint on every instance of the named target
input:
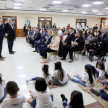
(10, 35)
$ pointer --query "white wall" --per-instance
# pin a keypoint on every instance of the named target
(60, 20)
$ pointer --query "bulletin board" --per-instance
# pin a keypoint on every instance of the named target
(104, 23)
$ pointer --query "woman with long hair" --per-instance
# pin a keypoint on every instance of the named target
(53, 46)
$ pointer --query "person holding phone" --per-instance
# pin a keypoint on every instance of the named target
(10, 34)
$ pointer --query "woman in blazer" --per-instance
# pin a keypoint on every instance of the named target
(53, 46)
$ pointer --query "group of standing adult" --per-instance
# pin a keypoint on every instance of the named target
(8, 31)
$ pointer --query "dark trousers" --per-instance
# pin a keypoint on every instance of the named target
(47, 50)
(1, 43)
(10, 44)
(65, 50)
(71, 50)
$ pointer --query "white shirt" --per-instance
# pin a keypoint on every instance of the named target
(2, 86)
(101, 73)
(56, 74)
(59, 32)
(43, 100)
(48, 78)
(14, 102)
(86, 80)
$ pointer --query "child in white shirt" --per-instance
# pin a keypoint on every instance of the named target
(59, 77)
(41, 98)
(88, 79)
(45, 74)
(15, 100)
(2, 89)
(100, 71)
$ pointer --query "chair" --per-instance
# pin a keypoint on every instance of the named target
(79, 53)
(53, 54)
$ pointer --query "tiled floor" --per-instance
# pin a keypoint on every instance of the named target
(25, 64)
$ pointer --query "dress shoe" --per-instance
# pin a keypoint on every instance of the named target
(63, 59)
(70, 61)
(14, 51)
(11, 53)
(35, 51)
(1, 59)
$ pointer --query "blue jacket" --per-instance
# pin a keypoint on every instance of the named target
(49, 41)
(1, 32)
(37, 36)
(43, 37)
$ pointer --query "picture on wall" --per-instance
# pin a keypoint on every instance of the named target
(28, 23)
(104, 24)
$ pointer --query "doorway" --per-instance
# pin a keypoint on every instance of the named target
(82, 22)
(14, 20)
(44, 20)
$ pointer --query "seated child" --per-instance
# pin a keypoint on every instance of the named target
(103, 92)
(41, 98)
(2, 89)
(45, 74)
(88, 80)
(15, 100)
(100, 71)
(76, 100)
(59, 77)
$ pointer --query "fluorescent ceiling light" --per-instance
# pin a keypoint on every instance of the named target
(57, 2)
(84, 12)
(106, 8)
(98, 2)
(16, 7)
(94, 10)
(42, 9)
(64, 10)
(86, 5)
(17, 4)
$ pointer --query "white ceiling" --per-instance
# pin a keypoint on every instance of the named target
(74, 6)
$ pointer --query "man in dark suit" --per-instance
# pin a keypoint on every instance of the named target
(8, 28)
(1, 40)
(67, 43)
(54, 26)
(48, 41)
(105, 36)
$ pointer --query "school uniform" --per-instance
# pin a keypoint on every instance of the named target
(14, 102)
(42, 99)
(78, 47)
(41, 40)
(42, 47)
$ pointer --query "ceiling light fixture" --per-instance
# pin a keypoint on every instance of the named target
(98, 2)
(94, 10)
(83, 12)
(65, 10)
(106, 8)
(43, 9)
(86, 5)
(57, 2)
(16, 7)
(17, 4)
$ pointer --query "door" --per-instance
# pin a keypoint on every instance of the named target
(44, 20)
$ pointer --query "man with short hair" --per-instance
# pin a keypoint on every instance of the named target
(1, 40)
(8, 28)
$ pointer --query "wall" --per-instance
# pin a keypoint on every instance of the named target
(60, 20)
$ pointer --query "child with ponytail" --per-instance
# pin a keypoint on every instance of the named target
(45, 74)
(88, 79)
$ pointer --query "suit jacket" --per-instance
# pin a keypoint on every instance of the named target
(25, 29)
(37, 36)
(43, 37)
(105, 35)
(1, 32)
(9, 29)
(54, 26)
(48, 41)
(70, 38)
